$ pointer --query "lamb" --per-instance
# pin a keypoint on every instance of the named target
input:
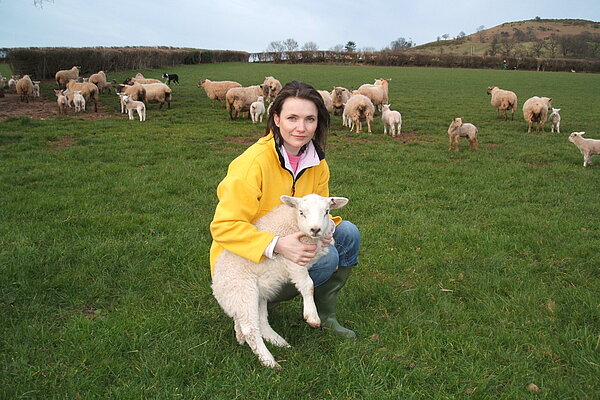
(12, 83)
(457, 130)
(216, 90)
(555, 120)
(257, 109)
(24, 88)
(88, 90)
(99, 79)
(61, 101)
(135, 92)
(391, 119)
(588, 147)
(131, 105)
(243, 288)
(63, 77)
(327, 99)
(503, 100)
(3, 81)
(359, 108)
(158, 93)
(36, 88)
(171, 78)
(239, 99)
(535, 110)
(339, 96)
(377, 93)
(273, 86)
(78, 101)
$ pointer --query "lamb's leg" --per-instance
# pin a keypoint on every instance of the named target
(369, 125)
(266, 331)
(301, 279)
(558, 127)
(450, 145)
(239, 336)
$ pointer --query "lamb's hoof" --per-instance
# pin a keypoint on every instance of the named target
(313, 322)
(271, 364)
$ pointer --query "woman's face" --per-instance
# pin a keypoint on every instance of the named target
(297, 123)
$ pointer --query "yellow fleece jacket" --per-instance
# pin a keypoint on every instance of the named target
(255, 180)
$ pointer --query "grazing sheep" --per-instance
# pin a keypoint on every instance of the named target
(535, 110)
(272, 86)
(158, 93)
(131, 105)
(135, 92)
(239, 99)
(377, 93)
(391, 119)
(555, 120)
(99, 79)
(88, 90)
(359, 108)
(243, 288)
(457, 130)
(588, 147)
(171, 78)
(63, 77)
(78, 101)
(218, 89)
(327, 99)
(503, 100)
(24, 88)
(257, 109)
(339, 97)
(61, 101)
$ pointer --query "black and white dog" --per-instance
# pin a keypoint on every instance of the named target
(171, 78)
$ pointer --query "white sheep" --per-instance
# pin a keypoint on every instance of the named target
(257, 109)
(158, 93)
(243, 288)
(588, 147)
(457, 130)
(131, 105)
(24, 88)
(555, 120)
(88, 90)
(61, 101)
(339, 96)
(12, 83)
(377, 93)
(216, 90)
(503, 100)
(78, 101)
(391, 119)
(239, 99)
(535, 110)
(358, 109)
(99, 79)
(135, 92)
(63, 77)
(327, 99)
(272, 87)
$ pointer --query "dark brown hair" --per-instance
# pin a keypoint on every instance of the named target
(303, 91)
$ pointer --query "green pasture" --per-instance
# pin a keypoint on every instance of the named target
(479, 271)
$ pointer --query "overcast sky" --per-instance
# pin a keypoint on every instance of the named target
(250, 25)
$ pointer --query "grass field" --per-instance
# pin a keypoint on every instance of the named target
(479, 271)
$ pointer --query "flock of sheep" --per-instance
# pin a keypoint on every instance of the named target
(356, 106)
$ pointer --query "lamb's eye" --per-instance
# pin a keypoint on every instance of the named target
(326, 212)
(301, 212)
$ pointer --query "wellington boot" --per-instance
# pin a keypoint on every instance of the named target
(326, 301)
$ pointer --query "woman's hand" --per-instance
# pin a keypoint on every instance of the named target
(294, 250)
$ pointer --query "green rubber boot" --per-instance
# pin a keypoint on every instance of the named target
(326, 301)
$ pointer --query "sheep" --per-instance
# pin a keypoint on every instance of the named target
(36, 88)
(216, 90)
(239, 99)
(3, 81)
(12, 83)
(141, 81)
(131, 105)
(99, 79)
(535, 109)
(24, 88)
(392, 119)
(339, 97)
(78, 101)
(158, 93)
(588, 147)
(377, 93)
(555, 120)
(88, 90)
(273, 85)
(63, 77)
(61, 101)
(257, 109)
(243, 288)
(135, 92)
(359, 108)
(457, 130)
(327, 99)
(171, 78)
(503, 100)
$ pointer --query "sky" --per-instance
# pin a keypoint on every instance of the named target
(250, 25)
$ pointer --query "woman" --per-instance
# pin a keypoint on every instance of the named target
(288, 160)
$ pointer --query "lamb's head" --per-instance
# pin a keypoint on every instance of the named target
(260, 99)
(456, 122)
(555, 110)
(575, 135)
(126, 99)
(385, 107)
(58, 92)
(312, 212)
(490, 89)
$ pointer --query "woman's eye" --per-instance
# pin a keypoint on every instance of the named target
(311, 119)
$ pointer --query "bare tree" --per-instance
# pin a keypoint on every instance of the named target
(537, 47)
(401, 44)
(445, 36)
(338, 48)
(290, 44)
(310, 46)
(480, 30)
(40, 3)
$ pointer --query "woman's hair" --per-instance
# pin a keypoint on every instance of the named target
(305, 91)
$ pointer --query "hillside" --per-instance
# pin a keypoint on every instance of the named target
(565, 38)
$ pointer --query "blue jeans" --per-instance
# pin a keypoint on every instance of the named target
(343, 254)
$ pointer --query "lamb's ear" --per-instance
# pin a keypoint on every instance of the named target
(582, 133)
(289, 201)
(338, 202)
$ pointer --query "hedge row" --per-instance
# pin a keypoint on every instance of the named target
(43, 63)
(389, 58)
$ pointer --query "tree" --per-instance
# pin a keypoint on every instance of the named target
(337, 48)
(401, 44)
(493, 50)
(40, 3)
(553, 44)
(276, 48)
(537, 47)
(350, 46)
(290, 44)
(480, 30)
(310, 46)
(445, 36)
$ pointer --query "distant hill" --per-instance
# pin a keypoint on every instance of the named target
(545, 38)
